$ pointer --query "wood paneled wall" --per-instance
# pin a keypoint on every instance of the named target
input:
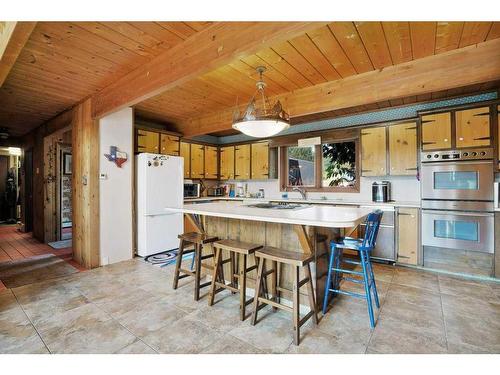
(35, 141)
(85, 137)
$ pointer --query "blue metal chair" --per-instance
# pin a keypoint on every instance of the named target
(336, 273)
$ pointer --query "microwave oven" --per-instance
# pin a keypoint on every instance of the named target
(192, 190)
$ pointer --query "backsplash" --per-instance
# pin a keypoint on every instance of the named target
(403, 188)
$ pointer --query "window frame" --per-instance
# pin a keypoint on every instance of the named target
(318, 168)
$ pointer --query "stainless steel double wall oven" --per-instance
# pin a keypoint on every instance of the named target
(457, 199)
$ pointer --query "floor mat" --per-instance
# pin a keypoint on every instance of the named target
(31, 270)
(61, 244)
(166, 258)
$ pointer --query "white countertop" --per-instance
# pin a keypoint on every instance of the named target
(313, 215)
(311, 201)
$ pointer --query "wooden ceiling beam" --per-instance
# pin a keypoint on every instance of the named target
(13, 37)
(205, 51)
(475, 64)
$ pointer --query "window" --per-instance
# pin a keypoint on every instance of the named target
(301, 166)
(331, 166)
(339, 164)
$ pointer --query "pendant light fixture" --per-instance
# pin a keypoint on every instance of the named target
(260, 119)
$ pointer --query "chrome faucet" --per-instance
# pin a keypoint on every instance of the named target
(302, 192)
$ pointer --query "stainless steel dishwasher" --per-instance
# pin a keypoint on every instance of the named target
(385, 248)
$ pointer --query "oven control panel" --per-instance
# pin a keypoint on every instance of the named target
(456, 155)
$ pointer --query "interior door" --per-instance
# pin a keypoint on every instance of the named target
(4, 167)
(28, 190)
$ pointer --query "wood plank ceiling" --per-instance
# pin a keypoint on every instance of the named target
(335, 51)
(64, 62)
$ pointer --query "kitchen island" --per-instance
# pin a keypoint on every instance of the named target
(302, 228)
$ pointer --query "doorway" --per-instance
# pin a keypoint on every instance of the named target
(28, 190)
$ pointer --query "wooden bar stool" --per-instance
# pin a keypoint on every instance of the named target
(198, 240)
(238, 270)
(296, 260)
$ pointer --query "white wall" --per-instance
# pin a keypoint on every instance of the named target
(115, 191)
(403, 189)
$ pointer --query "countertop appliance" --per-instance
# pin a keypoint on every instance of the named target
(192, 190)
(385, 247)
(457, 200)
(159, 184)
(215, 192)
(381, 191)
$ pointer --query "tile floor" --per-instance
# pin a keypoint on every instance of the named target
(130, 307)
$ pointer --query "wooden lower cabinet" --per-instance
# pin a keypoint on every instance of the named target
(185, 152)
(148, 141)
(169, 144)
(227, 163)
(408, 235)
(373, 151)
(197, 161)
(403, 149)
(242, 162)
(211, 162)
(473, 127)
(260, 160)
(436, 131)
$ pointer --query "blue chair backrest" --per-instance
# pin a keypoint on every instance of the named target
(371, 229)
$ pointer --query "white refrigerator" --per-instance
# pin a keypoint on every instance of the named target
(159, 184)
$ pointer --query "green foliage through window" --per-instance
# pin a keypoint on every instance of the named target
(339, 164)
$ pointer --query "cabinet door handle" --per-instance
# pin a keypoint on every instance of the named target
(429, 143)
(404, 214)
(411, 169)
(482, 139)
(482, 114)
(366, 170)
(402, 256)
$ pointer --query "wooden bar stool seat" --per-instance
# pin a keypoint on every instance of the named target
(238, 270)
(296, 260)
(198, 240)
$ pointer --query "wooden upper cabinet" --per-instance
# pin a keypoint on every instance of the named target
(408, 243)
(242, 162)
(403, 149)
(169, 144)
(260, 160)
(436, 131)
(148, 141)
(227, 163)
(185, 152)
(197, 161)
(211, 162)
(473, 127)
(373, 151)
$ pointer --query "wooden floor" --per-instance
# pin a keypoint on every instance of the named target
(15, 245)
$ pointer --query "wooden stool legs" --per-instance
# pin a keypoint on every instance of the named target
(178, 264)
(238, 264)
(242, 284)
(275, 303)
(181, 273)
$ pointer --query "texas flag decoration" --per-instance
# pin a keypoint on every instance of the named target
(116, 156)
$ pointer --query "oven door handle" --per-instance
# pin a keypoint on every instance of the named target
(458, 213)
(432, 164)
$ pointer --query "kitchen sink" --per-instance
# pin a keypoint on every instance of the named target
(279, 206)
